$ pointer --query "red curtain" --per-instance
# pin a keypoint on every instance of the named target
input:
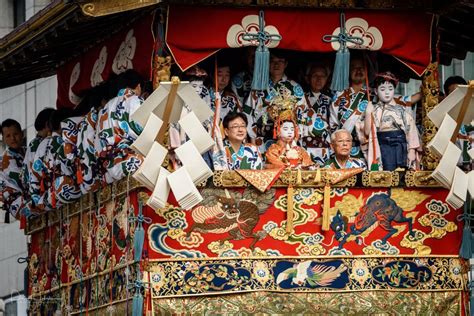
(131, 48)
(195, 33)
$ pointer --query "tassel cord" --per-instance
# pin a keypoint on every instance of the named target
(97, 251)
(262, 55)
(341, 65)
(343, 37)
(466, 246)
(217, 100)
(128, 248)
(139, 232)
(138, 285)
(111, 268)
(81, 229)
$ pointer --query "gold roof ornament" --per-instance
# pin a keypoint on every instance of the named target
(105, 7)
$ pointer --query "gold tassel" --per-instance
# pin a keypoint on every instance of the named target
(317, 178)
(289, 209)
(327, 199)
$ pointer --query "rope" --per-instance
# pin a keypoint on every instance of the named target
(49, 246)
(112, 248)
(147, 261)
(340, 78)
(127, 249)
(465, 217)
(97, 251)
(141, 219)
(68, 236)
(261, 36)
(60, 242)
(138, 248)
(217, 98)
(89, 231)
(160, 36)
(261, 73)
(138, 285)
(80, 257)
(343, 37)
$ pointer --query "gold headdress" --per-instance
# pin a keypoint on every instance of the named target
(282, 108)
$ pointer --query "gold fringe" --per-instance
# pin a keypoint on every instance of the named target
(289, 209)
(326, 206)
(317, 177)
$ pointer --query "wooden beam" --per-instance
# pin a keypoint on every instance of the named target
(106, 7)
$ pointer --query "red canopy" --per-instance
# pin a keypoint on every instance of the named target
(128, 49)
(195, 33)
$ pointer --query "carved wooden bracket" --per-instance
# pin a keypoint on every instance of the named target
(105, 7)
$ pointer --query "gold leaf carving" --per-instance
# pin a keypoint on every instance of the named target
(407, 199)
(349, 206)
(105, 7)
(430, 91)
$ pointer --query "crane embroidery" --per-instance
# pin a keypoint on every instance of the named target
(308, 274)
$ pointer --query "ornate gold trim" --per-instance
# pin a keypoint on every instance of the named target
(231, 179)
(380, 179)
(228, 179)
(105, 7)
(421, 179)
(430, 91)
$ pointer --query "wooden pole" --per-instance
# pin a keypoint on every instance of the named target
(462, 111)
(167, 113)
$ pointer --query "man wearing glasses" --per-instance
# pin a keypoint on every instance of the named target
(240, 154)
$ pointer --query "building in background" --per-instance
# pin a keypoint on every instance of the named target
(22, 103)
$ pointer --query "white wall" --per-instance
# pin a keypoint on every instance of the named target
(6, 20)
(21, 103)
(463, 68)
(12, 246)
(34, 6)
(25, 101)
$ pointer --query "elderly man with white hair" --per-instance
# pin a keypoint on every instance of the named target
(341, 144)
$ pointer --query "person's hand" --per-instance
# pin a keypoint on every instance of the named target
(370, 108)
(411, 159)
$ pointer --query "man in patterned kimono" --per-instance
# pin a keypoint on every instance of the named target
(86, 160)
(115, 132)
(12, 161)
(257, 107)
(349, 106)
(53, 170)
(341, 144)
(229, 102)
(239, 153)
(242, 82)
(86, 166)
(316, 134)
(42, 131)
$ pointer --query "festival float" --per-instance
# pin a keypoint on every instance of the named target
(282, 240)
